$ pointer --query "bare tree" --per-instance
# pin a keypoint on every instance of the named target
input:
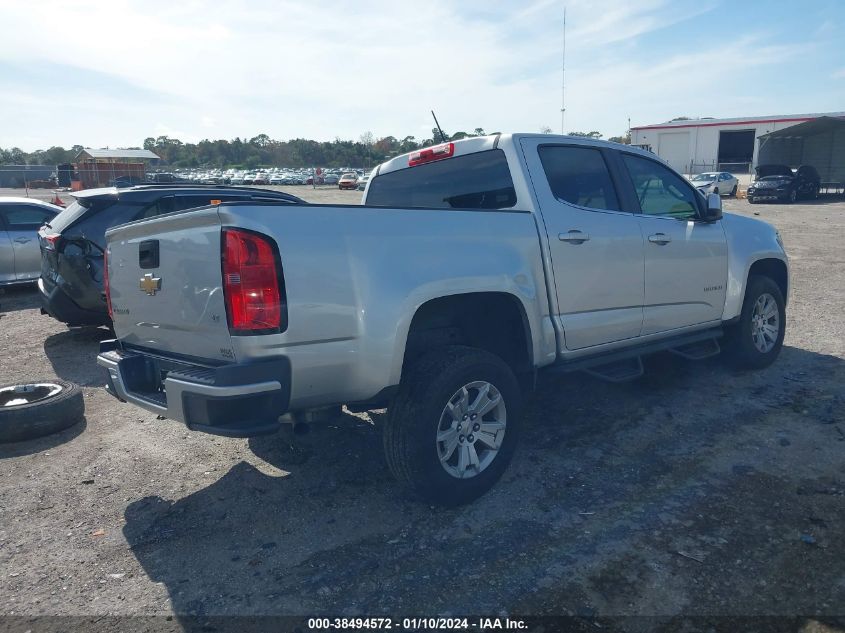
(367, 141)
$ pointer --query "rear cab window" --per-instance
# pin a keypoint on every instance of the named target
(481, 180)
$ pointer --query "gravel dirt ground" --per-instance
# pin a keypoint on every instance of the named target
(693, 491)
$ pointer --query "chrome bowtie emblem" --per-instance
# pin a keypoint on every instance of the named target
(150, 284)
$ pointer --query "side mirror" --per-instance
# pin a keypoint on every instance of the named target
(713, 211)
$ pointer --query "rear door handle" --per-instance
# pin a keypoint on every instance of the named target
(659, 238)
(22, 240)
(573, 237)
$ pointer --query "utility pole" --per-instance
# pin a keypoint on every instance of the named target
(563, 77)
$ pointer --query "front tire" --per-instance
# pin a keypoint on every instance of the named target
(733, 191)
(756, 339)
(452, 428)
(793, 196)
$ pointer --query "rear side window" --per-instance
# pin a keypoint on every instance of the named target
(476, 181)
(169, 204)
(579, 175)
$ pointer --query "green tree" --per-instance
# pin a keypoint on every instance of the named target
(625, 140)
(261, 140)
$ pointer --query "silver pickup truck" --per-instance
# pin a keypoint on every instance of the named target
(470, 266)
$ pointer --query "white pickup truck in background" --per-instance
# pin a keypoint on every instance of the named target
(470, 266)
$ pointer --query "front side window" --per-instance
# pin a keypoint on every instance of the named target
(579, 175)
(475, 181)
(24, 216)
(660, 190)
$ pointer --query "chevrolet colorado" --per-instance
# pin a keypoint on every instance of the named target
(470, 266)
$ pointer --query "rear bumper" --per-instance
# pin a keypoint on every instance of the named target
(238, 400)
(62, 308)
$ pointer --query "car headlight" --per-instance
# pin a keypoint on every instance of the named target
(780, 241)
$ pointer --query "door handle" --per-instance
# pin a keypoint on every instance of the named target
(659, 238)
(22, 240)
(573, 237)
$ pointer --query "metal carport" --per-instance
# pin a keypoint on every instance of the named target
(820, 143)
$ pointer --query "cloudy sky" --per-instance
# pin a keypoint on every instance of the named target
(99, 73)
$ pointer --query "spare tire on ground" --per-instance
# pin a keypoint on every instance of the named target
(39, 408)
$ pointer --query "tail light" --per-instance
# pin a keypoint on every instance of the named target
(51, 241)
(252, 283)
(106, 282)
(429, 154)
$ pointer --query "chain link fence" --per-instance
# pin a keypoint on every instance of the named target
(733, 168)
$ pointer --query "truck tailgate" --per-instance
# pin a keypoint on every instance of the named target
(166, 286)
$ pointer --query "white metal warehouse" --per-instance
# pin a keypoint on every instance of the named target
(696, 145)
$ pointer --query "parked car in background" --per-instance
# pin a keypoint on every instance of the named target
(73, 243)
(362, 182)
(782, 183)
(127, 181)
(164, 178)
(720, 182)
(331, 179)
(20, 219)
(348, 181)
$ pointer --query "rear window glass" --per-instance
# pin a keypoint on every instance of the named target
(476, 181)
(70, 215)
(103, 214)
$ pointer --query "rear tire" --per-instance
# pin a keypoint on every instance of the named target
(435, 406)
(750, 343)
(733, 191)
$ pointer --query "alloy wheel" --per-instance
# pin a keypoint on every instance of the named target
(471, 429)
(765, 323)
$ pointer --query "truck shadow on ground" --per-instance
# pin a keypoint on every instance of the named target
(609, 483)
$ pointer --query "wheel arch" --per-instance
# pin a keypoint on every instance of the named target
(495, 321)
(774, 269)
